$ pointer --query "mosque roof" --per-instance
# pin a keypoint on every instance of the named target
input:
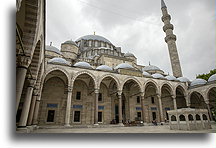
(151, 68)
(83, 65)
(104, 68)
(158, 76)
(70, 42)
(146, 74)
(94, 37)
(212, 78)
(128, 54)
(171, 78)
(124, 66)
(183, 79)
(53, 49)
(198, 82)
(58, 60)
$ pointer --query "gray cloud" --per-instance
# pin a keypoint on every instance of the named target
(136, 26)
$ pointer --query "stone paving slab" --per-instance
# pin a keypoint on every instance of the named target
(143, 129)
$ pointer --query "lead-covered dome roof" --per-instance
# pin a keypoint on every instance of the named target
(158, 76)
(59, 61)
(183, 79)
(151, 68)
(128, 54)
(171, 78)
(83, 65)
(212, 78)
(198, 82)
(104, 68)
(53, 49)
(70, 42)
(93, 37)
(146, 74)
(124, 66)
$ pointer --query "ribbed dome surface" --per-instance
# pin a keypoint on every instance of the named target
(124, 66)
(183, 79)
(158, 76)
(58, 61)
(104, 68)
(53, 49)
(151, 68)
(128, 54)
(171, 78)
(83, 65)
(94, 37)
(198, 82)
(212, 78)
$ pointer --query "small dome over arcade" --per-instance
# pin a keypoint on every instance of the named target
(128, 54)
(183, 79)
(198, 82)
(124, 66)
(212, 78)
(70, 42)
(104, 68)
(151, 68)
(59, 61)
(158, 76)
(171, 78)
(82, 65)
(146, 74)
(53, 49)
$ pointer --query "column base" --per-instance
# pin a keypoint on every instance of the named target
(120, 124)
(96, 124)
(67, 125)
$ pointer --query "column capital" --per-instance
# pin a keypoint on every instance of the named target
(96, 91)
(142, 94)
(23, 61)
(36, 92)
(69, 89)
(119, 92)
(31, 82)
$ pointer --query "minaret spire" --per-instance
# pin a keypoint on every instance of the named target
(170, 39)
(163, 5)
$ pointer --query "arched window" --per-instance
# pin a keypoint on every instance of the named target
(173, 118)
(182, 118)
(198, 117)
(204, 117)
(190, 117)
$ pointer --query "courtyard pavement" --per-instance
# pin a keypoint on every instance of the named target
(139, 129)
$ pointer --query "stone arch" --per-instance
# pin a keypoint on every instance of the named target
(173, 118)
(133, 79)
(182, 117)
(182, 88)
(181, 96)
(85, 72)
(151, 82)
(202, 103)
(56, 69)
(169, 88)
(109, 75)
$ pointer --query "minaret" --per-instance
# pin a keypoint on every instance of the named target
(170, 39)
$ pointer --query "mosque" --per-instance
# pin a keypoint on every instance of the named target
(90, 81)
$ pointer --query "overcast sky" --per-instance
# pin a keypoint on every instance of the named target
(136, 27)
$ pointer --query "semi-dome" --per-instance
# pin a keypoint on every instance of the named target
(53, 49)
(158, 76)
(124, 66)
(58, 61)
(171, 78)
(104, 68)
(183, 79)
(146, 74)
(198, 82)
(70, 42)
(128, 54)
(94, 37)
(212, 78)
(83, 65)
(151, 68)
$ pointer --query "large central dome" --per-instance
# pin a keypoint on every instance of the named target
(93, 37)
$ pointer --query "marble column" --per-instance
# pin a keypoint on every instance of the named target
(36, 111)
(142, 105)
(96, 107)
(120, 107)
(174, 103)
(26, 105)
(209, 111)
(68, 107)
(23, 63)
(161, 108)
(32, 108)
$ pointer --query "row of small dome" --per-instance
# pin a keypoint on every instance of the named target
(128, 66)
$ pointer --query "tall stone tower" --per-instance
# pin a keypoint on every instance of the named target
(170, 39)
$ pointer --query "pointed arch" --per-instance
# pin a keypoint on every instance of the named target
(133, 79)
(111, 76)
(151, 82)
